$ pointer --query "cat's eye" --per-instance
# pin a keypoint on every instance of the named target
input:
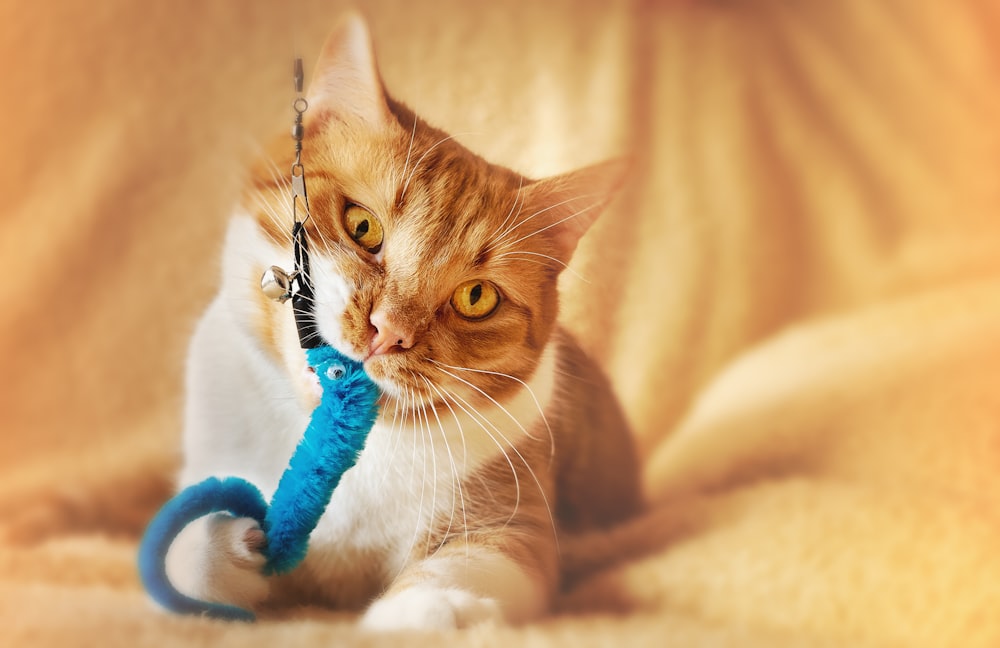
(364, 228)
(476, 299)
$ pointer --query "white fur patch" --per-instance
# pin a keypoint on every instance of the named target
(479, 586)
(426, 607)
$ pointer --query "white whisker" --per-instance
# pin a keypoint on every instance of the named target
(517, 253)
(482, 422)
(531, 471)
(513, 227)
(409, 150)
(454, 468)
(513, 418)
(527, 387)
(497, 234)
(421, 415)
(396, 431)
(423, 482)
(551, 225)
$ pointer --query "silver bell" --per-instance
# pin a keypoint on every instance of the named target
(276, 284)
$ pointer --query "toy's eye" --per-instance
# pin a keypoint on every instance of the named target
(336, 371)
(476, 299)
(364, 228)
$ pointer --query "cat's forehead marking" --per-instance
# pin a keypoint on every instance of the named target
(445, 236)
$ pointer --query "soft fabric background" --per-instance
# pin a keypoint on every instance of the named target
(797, 295)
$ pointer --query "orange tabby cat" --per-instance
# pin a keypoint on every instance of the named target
(439, 271)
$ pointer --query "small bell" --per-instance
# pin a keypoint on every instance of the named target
(276, 284)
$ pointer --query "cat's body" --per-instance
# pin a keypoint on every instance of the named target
(496, 433)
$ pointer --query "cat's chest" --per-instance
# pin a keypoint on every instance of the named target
(411, 483)
(410, 479)
(388, 508)
(403, 479)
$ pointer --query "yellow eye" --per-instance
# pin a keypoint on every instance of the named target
(364, 228)
(475, 300)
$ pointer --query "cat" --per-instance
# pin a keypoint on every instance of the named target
(439, 270)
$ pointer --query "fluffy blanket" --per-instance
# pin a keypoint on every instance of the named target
(797, 295)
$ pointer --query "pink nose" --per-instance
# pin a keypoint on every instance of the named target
(388, 336)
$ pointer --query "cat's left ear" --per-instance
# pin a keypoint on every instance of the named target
(346, 80)
(569, 204)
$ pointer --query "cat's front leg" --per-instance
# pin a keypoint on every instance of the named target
(462, 585)
(218, 558)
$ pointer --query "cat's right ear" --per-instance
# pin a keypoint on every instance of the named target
(346, 81)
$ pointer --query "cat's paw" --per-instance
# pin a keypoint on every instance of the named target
(219, 558)
(430, 608)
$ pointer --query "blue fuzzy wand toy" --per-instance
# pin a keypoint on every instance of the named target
(330, 445)
(332, 441)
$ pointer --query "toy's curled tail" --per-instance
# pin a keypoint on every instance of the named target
(330, 446)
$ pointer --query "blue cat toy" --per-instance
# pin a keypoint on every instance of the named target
(332, 441)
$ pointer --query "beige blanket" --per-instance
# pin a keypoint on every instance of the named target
(797, 295)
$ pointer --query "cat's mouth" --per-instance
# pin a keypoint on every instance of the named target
(405, 388)
(405, 400)
(389, 373)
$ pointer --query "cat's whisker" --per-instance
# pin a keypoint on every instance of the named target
(421, 417)
(456, 476)
(423, 481)
(281, 224)
(458, 423)
(527, 387)
(280, 178)
(411, 399)
(409, 150)
(482, 422)
(396, 432)
(500, 231)
(516, 225)
(282, 188)
(324, 242)
(465, 452)
(527, 466)
(518, 253)
(493, 400)
(551, 258)
(551, 225)
(280, 191)
(278, 202)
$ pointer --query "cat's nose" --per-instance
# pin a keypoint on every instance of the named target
(388, 335)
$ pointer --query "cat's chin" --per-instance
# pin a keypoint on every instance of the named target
(398, 396)
(386, 372)
(405, 405)
(402, 397)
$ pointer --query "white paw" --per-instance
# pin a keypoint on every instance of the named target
(218, 558)
(430, 608)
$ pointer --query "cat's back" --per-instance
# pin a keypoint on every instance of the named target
(597, 468)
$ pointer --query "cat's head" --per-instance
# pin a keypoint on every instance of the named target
(436, 268)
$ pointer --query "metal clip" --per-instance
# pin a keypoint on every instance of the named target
(299, 193)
